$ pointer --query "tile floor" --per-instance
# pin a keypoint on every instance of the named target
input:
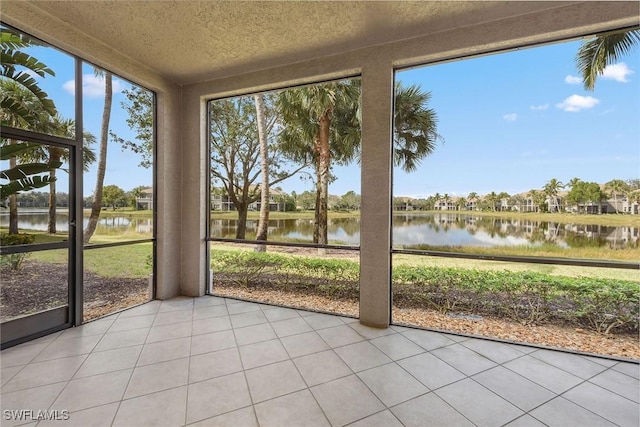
(220, 362)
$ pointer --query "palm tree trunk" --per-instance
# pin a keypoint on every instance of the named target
(51, 226)
(102, 159)
(13, 201)
(324, 160)
(264, 171)
(54, 157)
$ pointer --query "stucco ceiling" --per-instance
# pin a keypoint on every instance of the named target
(190, 41)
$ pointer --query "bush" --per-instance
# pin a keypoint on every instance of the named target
(14, 261)
(525, 297)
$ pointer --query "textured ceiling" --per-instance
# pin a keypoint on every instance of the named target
(190, 41)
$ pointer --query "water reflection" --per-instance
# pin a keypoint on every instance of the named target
(446, 229)
(409, 230)
(113, 225)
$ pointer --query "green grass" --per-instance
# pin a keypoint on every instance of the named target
(118, 261)
(544, 250)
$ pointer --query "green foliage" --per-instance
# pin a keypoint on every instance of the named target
(526, 297)
(139, 105)
(598, 52)
(14, 261)
(114, 196)
(585, 192)
(21, 177)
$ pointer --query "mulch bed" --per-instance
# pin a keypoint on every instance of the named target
(38, 286)
(625, 345)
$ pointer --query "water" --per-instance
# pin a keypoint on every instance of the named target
(445, 229)
(37, 220)
(409, 230)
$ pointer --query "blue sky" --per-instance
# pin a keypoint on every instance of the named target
(122, 166)
(513, 121)
(510, 122)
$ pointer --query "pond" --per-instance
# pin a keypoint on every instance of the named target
(444, 229)
(37, 220)
(410, 230)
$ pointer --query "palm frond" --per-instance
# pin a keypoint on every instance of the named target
(597, 53)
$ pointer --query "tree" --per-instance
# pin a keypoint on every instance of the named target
(537, 199)
(22, 104)
(113, 196)
(102, 157)
(235, 152)
(597, 52)
(56, 155)
(261, 122)
(19, 67)
(322, 127)
(139, 106)
(350, 200)
(307, 200)
(583, 193)
(617, 187)
(551, 190)
(415, 127)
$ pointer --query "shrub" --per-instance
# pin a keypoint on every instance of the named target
(14, 261)
(525, 297)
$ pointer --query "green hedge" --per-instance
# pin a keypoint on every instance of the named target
(527, 297)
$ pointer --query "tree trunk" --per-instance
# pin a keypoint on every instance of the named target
(264, 172)
(54, 157)
(13, 201)
(324, 160)
(241, 228)
(102, 159)
(51, 226)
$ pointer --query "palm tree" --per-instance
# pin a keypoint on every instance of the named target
(23, 110)
(473, 197)
(22, 104)
(65, 128)
(264, 171)
(551, 189)
(598, 52)
(102, 156)
(19, 67)
(415, 127)
(616, 187)
(322, 126)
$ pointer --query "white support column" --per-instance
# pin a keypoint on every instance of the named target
(375, 222)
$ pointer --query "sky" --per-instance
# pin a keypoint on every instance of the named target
(510, 122)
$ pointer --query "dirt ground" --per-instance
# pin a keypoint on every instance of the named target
(38, 286)
(620, 345)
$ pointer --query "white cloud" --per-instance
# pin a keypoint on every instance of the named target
(540, 107)
(576, 103)
(572, 80)
(511, 117)
(618, 72)
(92, 86)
